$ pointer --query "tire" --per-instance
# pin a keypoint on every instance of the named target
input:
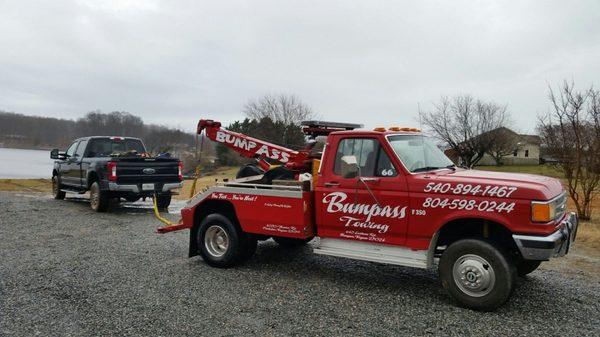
(163, 201)
(99, 199)
(221, 244)
(249, 170)
(278, 173)
(525, 267)
(56, 192)
(477, 260)
(290, 243)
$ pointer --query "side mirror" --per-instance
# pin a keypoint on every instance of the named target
(54, 154)
(349, 167)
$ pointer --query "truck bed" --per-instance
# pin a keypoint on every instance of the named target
(272, 210)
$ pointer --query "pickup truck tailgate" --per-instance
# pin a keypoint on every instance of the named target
(146, 170)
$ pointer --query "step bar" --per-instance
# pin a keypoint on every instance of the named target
(374, 252)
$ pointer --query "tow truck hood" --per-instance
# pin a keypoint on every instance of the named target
(529, 186)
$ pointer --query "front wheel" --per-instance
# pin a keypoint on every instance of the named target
(477, 274)
(56, 192)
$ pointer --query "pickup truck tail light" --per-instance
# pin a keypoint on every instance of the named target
(111, 169)
(180, 173)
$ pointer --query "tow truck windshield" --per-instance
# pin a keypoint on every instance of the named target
(419, 153)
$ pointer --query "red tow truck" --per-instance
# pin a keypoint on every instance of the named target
(387, 195)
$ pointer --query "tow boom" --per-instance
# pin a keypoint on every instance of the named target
(260, 150)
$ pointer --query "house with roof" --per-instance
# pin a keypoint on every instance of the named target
(526, 150)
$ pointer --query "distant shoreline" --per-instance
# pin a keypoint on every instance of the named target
(16, 147)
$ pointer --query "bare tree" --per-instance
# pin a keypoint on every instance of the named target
(465, 124)
(571, 133)
(505, 142)
(279, 108)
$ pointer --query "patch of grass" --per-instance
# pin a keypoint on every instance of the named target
(207, 181)
(26, 185)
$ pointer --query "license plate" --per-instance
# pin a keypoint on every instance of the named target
(148, 187)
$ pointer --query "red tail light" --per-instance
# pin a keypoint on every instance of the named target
(111, 169)
(180, 171)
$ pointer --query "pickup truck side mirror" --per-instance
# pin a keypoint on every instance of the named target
(349, 167)
(55, 154)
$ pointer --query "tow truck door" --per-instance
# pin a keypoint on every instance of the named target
(371, 207)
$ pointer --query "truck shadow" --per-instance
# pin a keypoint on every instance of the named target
(411, 285)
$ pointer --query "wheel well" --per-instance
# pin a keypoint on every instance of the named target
(475, 228)
(92, 176)
(209, 207)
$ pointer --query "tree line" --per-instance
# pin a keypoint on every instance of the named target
(18, 130)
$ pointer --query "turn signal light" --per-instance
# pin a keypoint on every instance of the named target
(379, 129)
(180, 173)
(540, 212)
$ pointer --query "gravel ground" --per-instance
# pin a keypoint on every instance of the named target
(65, 270)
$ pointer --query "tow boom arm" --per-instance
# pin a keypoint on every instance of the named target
(260, 150)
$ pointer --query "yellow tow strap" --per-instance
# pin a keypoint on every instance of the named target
(159, 217)
(192, 193)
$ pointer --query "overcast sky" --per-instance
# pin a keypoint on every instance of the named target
(173, 62)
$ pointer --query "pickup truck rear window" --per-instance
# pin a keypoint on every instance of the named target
(104, 147)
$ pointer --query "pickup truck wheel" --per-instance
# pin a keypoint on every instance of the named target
(220, 242)
(525, 267)
(56, 192)
(163, 201)
(477, 274)
(289, 242)
(98, 199)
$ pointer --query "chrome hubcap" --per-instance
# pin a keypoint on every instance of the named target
(473, 275)
(216, 241)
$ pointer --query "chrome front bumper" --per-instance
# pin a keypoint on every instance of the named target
(136, 188)
(554, 245)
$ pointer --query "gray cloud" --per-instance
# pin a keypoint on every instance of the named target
(173, 62)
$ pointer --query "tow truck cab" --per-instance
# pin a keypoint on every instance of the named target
(392, 196)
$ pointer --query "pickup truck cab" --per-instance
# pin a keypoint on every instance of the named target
(392, 196)
(113, 168)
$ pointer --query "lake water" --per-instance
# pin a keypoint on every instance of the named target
(22, 164)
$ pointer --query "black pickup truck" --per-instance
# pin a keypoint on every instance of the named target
(113, 168)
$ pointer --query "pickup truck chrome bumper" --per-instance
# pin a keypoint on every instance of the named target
(554, 245)
(136, 189)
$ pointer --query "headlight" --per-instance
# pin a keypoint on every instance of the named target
(546, 211)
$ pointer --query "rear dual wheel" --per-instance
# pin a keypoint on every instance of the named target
(221, 243)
